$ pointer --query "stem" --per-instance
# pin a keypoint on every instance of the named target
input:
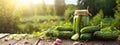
(36, 43)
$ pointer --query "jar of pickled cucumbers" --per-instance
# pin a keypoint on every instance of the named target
(80, 20)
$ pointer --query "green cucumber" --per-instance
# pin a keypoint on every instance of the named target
(90, 29)
(74, 24)
(78, 24)
(52, 33)
(59, 34)
(63, 28)
(86, 36)
(65, 34)
(107, 35)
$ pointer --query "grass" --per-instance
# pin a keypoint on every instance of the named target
(30, 24)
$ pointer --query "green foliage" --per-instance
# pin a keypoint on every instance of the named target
(60, 7)
(8, 20)
(28, 28)
(66, 24)
(36, 35)
(106, 22)
(97, 19)
(51, 10)
(69, 12)
(106, 29)
(92, 4)
(117, 15)
(96, 5)
(107, 6)
(35, 24)
(110, 28)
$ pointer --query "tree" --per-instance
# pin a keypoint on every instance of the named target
(39, 9)
(96, 5)
(60, 7)
(50, 10)
(107, 7)
(90, 4)
(8, 20)
(81, 4)
(43, 7)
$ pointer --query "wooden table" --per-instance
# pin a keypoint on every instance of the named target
(7, 39)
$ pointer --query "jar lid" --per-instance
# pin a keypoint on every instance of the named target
(81, 12)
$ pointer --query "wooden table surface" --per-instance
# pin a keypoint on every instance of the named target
(7, 39)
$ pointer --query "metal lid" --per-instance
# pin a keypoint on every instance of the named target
(81, 12)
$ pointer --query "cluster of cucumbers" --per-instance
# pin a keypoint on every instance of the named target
(61, 32)
(92, 32)
(86, 33)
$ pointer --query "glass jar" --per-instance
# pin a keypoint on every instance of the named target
(80, 20)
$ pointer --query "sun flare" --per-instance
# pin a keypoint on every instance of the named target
(24, 2)
(36, 1)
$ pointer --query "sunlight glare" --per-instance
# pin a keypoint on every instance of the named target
(36, 1)
(23, 1)
(49, 1)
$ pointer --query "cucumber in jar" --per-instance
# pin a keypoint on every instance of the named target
(74, 23)
(78, 23)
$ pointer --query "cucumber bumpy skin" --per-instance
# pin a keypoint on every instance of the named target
(63, 28)
(78, 24)
(90, 29)
(108, 35)
(86, 36)
(74, 24)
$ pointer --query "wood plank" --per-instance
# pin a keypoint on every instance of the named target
(9, 42)
(12, 39)
(69, 42)
(64, 42)
(45, 43)
(3, 35)
(26, 42)
(16, 36)
(18, 39)
(36, 42)
(102, 43)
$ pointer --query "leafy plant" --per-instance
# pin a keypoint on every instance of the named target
(69, 12)
(117, 16)
(106, 22)
(97, 19)
(8, 19)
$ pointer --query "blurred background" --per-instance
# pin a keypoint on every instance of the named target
(30, 16)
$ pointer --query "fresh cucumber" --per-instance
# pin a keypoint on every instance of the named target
(90, 29)
(65, 34)
(63, 28)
